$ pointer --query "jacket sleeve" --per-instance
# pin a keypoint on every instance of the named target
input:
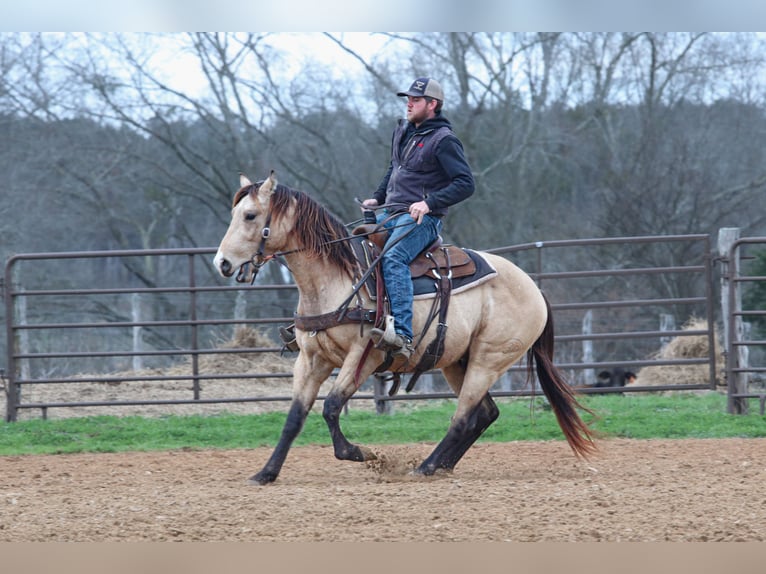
(380, 193)
(450, 155)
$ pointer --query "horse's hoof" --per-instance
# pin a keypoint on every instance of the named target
(355, 453)
(262, 478)
(430, 470)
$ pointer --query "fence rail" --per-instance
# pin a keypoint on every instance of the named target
(46, 313)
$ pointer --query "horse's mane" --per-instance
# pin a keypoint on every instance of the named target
(316, 228)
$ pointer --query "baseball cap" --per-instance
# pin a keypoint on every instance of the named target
(424, 87)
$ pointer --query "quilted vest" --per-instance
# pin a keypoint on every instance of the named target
(415, 168)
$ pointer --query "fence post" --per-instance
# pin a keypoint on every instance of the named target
(667, 323)
(12, 388)
(589, 374)
(379, 388)
(136, 315)
(240, 306)
(731, 303)
(193, 321)
(23, 335)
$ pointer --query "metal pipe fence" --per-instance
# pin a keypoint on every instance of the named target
(54, 324)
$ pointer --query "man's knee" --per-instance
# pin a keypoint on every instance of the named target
(395, 257)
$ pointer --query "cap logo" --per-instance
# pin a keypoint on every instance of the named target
(421, 86)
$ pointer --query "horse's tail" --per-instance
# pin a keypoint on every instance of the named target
(560, 395)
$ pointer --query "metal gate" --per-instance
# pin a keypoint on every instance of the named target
(744, 294)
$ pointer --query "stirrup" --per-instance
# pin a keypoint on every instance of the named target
(387, 337)
(287, 334)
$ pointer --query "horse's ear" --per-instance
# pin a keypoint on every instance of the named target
(271, 181)
(244, 181)
(268, 187)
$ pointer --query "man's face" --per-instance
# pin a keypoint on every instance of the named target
(419, 109)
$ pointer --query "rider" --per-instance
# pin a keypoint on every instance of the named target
(428, 173)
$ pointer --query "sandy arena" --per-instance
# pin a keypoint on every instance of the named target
(656, 490)
(647, 491)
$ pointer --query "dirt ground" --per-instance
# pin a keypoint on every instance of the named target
(655, 490)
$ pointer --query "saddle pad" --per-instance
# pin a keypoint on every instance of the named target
(425, 286)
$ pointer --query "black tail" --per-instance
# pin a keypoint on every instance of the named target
(560, 394)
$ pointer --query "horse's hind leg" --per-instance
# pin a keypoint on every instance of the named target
(461, 435)
(464, 430)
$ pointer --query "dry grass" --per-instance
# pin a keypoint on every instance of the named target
(684, 347)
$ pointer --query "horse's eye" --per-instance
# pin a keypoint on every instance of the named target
(249, 216)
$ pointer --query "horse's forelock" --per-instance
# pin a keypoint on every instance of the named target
(243, 191)
(248, 189)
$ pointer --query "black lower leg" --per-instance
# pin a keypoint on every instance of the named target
(293, 425)
(461, 435)
(344, 450)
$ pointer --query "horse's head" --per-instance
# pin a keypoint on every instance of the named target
(268, 219)
(245, 244)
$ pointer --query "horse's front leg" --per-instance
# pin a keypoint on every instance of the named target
(341, 392)
(293, 425)
(307, 378)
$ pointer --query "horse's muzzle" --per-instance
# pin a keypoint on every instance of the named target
(223, 265)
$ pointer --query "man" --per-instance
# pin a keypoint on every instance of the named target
(428, 173)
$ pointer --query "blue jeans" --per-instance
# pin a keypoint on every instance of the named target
(396, 263)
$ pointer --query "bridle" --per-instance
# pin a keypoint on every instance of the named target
(258, 260)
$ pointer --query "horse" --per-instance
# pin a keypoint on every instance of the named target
(490, 328)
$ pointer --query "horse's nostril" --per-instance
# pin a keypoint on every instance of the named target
(225, 266)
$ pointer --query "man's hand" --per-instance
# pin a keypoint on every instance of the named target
(370, 203)
(418, 210)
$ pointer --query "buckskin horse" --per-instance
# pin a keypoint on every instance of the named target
(491, 327)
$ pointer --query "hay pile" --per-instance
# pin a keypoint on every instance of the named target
(684, 347)
(255, 362)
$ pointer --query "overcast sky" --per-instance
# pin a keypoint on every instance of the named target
(369, 15)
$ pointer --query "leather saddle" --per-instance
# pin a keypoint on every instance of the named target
(436, 260)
